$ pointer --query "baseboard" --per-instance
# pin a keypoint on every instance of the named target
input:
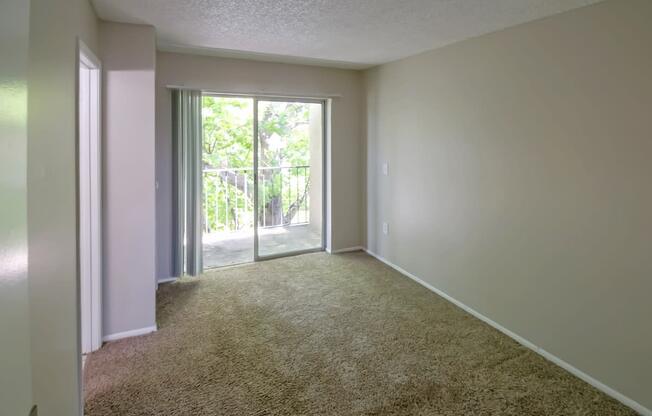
(129, 334)
(545, 354)
(167, 280)
(345, 250)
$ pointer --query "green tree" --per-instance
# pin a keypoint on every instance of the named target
(228, 161)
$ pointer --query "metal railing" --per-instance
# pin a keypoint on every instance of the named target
(228, 197)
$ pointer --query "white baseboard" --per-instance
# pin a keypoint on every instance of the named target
(128, 334)
(545, 354)
(167, 280)
(345, 250)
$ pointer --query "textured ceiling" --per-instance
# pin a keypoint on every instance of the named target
(347, 33)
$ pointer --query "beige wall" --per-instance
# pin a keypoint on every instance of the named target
(520, 182)
(242, 76)
(15, 364)
(52, 210)
(128, 54)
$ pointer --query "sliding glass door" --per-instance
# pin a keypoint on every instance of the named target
(274, 146)
(228, 180)
(289, 206)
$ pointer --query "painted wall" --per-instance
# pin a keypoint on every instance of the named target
(15, 365)
(243, 76)
(52, 208)
(519, 182)
(128, 58)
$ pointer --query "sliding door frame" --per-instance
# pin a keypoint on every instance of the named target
(324, 168)
(322, 102)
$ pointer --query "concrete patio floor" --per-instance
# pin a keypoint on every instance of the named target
(225, 249)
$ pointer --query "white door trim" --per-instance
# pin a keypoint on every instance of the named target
(90, 198)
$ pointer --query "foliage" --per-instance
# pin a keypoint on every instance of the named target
(284, 141)
(228, 129)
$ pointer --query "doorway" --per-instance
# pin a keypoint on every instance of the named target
(262, 161)
(89, 200)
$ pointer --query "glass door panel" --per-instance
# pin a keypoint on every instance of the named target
(290, 177)
(228, 180)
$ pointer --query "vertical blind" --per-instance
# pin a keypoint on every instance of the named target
(187, 182)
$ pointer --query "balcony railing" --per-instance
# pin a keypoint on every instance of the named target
(228, 205)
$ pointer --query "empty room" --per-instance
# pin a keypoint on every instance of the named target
(326, 207)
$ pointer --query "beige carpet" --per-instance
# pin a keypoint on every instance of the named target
(324, 335)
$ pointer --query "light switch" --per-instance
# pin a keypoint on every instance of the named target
(385, 168)
(385, 228)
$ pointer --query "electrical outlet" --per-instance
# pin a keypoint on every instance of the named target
(386, 169)
(385, 228)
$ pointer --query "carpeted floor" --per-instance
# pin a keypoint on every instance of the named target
(323, 334)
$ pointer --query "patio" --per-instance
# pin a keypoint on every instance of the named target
(225, 249)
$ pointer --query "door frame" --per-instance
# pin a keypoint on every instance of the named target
(283, 98)
(322, 247)
(89, 200)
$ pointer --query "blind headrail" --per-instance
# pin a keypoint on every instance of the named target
(255, 94)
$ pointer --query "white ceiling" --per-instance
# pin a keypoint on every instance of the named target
(346, 33)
